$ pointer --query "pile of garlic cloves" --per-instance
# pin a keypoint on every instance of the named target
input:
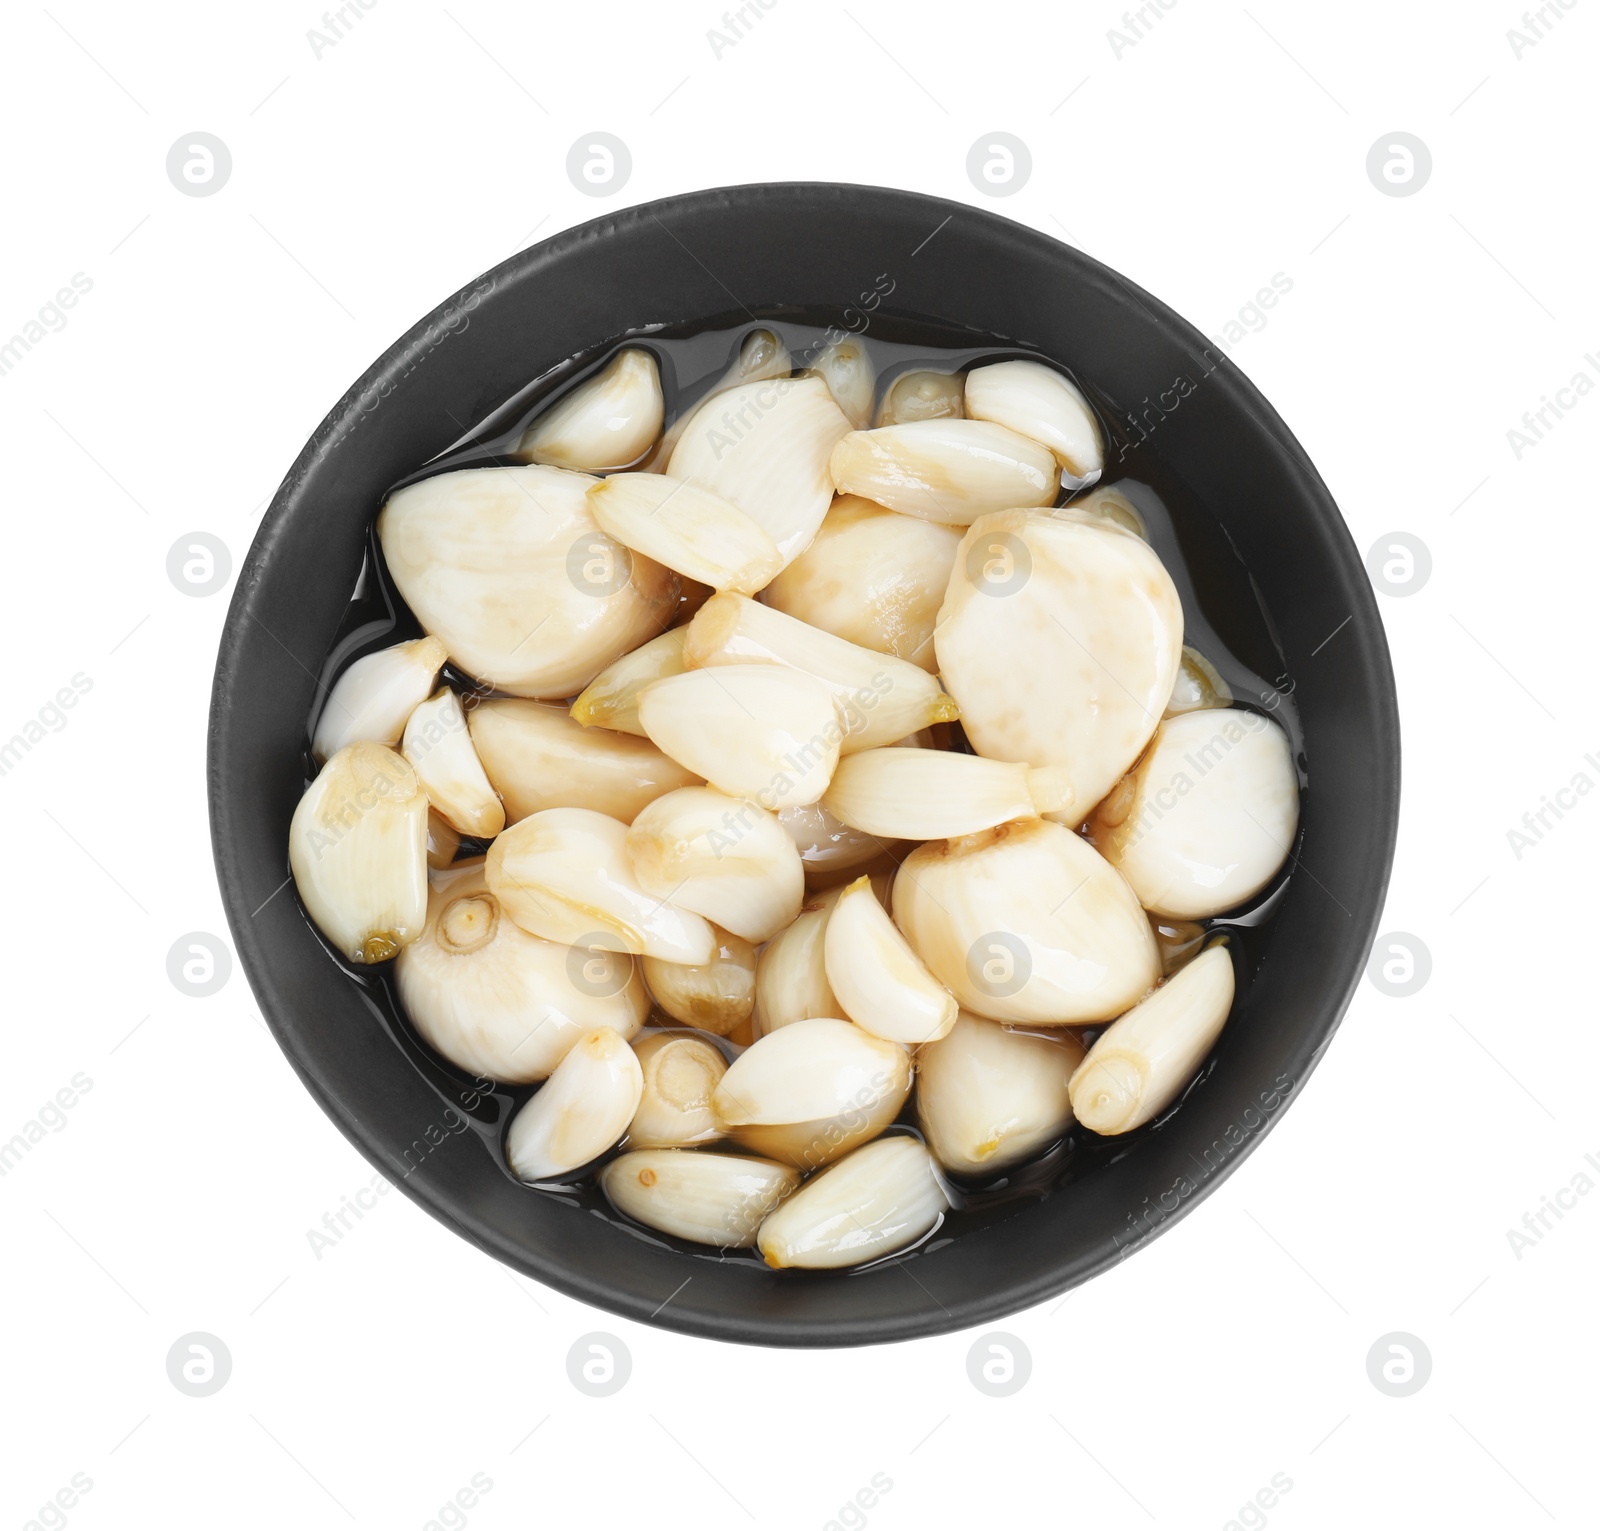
(814, 809)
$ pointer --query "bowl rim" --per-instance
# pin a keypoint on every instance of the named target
(1315, 501)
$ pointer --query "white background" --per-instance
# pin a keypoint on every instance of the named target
(1220, 148)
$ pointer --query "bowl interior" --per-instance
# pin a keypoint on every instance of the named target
(850, 251)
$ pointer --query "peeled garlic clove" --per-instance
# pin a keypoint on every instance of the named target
(1075, 599)
(509, 569)
(922, 396)
(826, 844)
(537, 757)
(765, 447)
(873, 577)
(1198, 685)
(810, 1092)
(718, 995)
(1138, 1066)
(611, 699)
(917, 794)
(708, 1198)
(755, 731)
(989, 1098)
(881, 983)
(880, 1199)
(792, 975)
(810, 1145)
(358, 848)
(498, 1002)
(440, 751)
(847, 370)
(950, 471)
(444, 840)
(761, 355)
(1209, 817)
(580, 1111)
(1038, 402)
(680, 1074)
(607, 421)
(563, 874)
(1027, 923)
(1109, 503)
(375, 696)
(723, 857)
(882, 698)
(687, 528)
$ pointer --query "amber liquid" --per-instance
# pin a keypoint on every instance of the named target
(1223, 619)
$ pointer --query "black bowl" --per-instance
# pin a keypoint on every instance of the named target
(816, 247)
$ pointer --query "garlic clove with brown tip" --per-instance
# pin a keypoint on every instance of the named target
(611, 699)
(358, 850)
(439, 747)
(579, 1112)
(989, 1098)
(1140, 1064)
